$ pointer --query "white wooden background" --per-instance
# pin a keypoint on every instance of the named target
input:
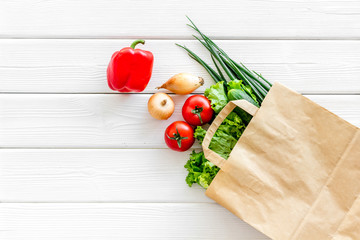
(78, 161)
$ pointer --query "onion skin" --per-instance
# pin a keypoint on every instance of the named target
(183, 83)
(161, 106)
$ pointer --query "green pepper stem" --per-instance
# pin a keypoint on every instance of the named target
(136, 42)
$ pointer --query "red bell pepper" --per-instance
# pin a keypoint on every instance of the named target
(130, 69)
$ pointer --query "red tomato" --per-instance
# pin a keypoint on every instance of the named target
(179, 136)
(197, 110)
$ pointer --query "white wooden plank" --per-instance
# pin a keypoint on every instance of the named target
(166, 19)
(122, 221)
(80, 175)
(76, 121)
(105, 120)
(79, 66)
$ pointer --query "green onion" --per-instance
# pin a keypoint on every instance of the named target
(211, 71)
(217, 67)
(233, 70)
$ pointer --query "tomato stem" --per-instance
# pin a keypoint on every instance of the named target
(177, 137)
(197, 110)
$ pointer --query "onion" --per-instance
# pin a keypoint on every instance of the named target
(183, 83)
(161, 106)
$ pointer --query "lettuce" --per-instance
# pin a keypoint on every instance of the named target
(201, 171)
(217, 95)
(235, 84)
(227, 135)
(199, 134)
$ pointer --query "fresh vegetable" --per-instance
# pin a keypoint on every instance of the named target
(233, 81)
(226, 136)
(201, 171)
(237, 94)
(232, 69)
(197, 110)
(217, 95)
(237, 90)
(183, 83)
(199, 134)
(161, 106)
(179, 136)
(130, 69)
(231, 128)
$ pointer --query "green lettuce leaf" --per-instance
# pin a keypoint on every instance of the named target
(217, 96)
(235, 84)
(200, 170)
(199, 134)
(227, 135)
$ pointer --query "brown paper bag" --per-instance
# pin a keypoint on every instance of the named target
(295, 171)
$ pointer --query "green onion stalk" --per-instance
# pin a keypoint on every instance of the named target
(226, 68)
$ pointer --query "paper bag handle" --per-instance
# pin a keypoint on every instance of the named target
(211, 155)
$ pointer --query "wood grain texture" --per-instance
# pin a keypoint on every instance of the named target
(231, 19)
(85, 120)
(105, 120)
(95, 175)
(138, 192)
(79, 66)
(122, 221)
